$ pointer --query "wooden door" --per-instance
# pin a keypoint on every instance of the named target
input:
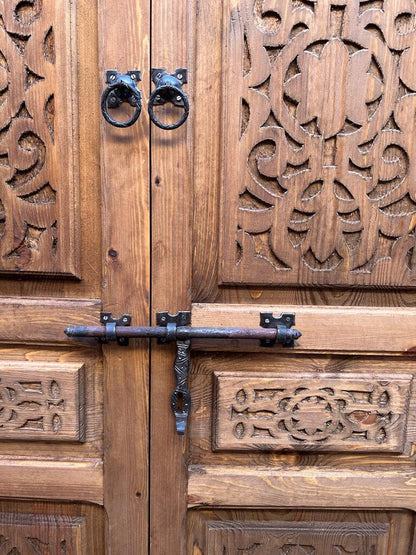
(291, 190)
(73, 415)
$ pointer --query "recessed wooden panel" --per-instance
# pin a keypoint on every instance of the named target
(299, 532)
(38, 134)
(42, 534)
(324, 412)
(294, 538)
(42, 401)
(319, 165)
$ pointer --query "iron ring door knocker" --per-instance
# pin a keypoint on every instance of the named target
(169, 89)
(121, 88)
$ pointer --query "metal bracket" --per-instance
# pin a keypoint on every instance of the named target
(178, 78)
(119, 95)
(110, 327)
(282, 323)
(171, 321)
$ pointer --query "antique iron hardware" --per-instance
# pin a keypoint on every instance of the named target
(168, 89)
(121, 88)
(175, 327)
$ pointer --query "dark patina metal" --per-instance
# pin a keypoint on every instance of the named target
(175, 327)
(168, 89)
(121, 88)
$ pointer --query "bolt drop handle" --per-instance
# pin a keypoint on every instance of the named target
(168, 89)
(121, 88)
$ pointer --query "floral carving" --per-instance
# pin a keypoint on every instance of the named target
(282, 412)
(321, 181)
(342, 100)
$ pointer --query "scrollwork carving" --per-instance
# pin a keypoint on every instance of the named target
(325, 144)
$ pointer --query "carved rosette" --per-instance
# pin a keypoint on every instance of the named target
(280, 412)
(320, 175)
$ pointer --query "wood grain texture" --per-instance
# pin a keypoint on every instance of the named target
(299, 531)
(362, 412)
(47, 523)
(203, 412)
(317, 137)
(126, 255)
(42, 401)
(24, 533)
(74, 480)
(300, 487)
(47, 357)
(324, 329)
(48, 318)
(172, 37)
(39, 122)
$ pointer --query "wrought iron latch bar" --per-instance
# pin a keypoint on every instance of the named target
(175, 327)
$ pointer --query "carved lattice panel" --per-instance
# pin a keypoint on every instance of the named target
(307, 538)
(38, 126)
(42, 401)
(319, 183)
(330, 413)
(24, 534)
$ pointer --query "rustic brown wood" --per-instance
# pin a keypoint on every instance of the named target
(25, 532)
(39, 127)
(294, 487)
(255, 176)
(75, 480)
(42, 402)
(47, 523)
(124, 45)
(302, 156)
(292, 531)
(363, 412)
(358, 329)
(32, 320)
(40, 357)
(171, 262)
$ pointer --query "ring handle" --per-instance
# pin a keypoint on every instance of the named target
(121, 88)
(168, 89)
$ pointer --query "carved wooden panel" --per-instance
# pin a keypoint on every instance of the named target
(296, 538)
(42, 401)
(38, 127)
(24, 534)
(328, 412)
(319, 166)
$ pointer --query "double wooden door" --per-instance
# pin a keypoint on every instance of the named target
(289, 189)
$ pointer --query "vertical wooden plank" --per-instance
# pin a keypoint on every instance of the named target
(171, 258)
(124, 40)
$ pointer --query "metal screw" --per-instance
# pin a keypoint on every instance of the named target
(179, 76)
(105, 318)
(267, 321)
(163, 319)
(125, 319)
(133, 76)
(159, 75)
(178, 98)
(112, 77)
(288, 319)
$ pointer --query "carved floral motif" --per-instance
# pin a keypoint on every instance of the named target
(322, 176)
(367, 414)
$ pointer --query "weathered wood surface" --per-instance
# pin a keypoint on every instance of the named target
(123, 45)
(75, 480)
(295, 486)
(172, 31)
(324, 329)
